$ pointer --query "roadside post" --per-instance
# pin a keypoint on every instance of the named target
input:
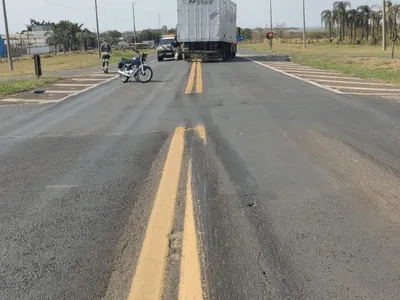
(38, 65)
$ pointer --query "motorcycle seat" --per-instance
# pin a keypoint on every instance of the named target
(126, 60)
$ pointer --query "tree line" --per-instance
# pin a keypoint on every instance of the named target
(361, 24)
(69, 36)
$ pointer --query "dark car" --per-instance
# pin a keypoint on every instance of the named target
(168, 47)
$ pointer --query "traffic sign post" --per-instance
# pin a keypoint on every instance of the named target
(270, 36)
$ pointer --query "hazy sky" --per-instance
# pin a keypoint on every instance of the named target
(117, 14)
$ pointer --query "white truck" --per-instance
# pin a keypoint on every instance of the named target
(207, 29)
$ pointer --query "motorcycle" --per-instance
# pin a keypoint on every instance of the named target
(135, 68)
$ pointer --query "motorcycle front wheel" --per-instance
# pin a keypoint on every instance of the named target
(145, 75)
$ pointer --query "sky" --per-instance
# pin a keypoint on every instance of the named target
(117, 14)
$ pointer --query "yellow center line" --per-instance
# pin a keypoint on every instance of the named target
(190, 275)
(201, 132)
(190, 84)
(148, 281)
(199, 79)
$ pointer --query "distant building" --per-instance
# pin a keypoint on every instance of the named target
(31, 42)
(151, 44)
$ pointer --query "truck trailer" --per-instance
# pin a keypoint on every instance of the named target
(207, 29)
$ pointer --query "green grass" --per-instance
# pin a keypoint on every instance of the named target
(10, 87)
(362, 61)
(322, 49)
(384, 70)
(61, 61)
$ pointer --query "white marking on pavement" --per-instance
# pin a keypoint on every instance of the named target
(73, 84)
(374, 94)
(288, 65)
(363, 88)
(294, 76)
(87, 79)
(294, 68)
(103, 75)
(333, 76)
(355, 82)
(89, 88)
(311, 72)
(18, 100)
(153, 61)
(58, 92)
(71, 94)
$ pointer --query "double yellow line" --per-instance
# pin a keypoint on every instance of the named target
(148, 282)
(195, 77)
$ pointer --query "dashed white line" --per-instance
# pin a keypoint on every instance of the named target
(19, 100)
(310, 72)
(74, 84)
(363, 88)
(394, 94)
(333, 76)
(59, 92)
(102, 75)
(88, 79)
(355, 82)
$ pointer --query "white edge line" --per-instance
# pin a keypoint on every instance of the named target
(296, 77)
(87, 89)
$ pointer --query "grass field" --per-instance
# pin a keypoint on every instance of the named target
(54, 63)
(361, 61)
(12, 86)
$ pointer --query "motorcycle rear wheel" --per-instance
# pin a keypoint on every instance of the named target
(123, 78)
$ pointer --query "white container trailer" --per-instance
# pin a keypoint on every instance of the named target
(207, 28)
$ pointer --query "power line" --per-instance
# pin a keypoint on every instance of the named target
(64, 6)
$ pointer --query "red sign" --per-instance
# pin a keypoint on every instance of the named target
(270, 35)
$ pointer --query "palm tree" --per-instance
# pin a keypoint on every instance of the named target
(376, 17)
(395, 12)
(340, 12)
(365, 12)
(84, 38)
(352, 23)
(390, 13)
(74, 28)
(326, 19)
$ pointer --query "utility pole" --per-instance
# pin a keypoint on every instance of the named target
(384, 25)
(304, 25)
(10, 62)
(134, 24)
(98, 31)
(270, 18)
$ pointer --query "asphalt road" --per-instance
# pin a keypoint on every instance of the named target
(213, 181)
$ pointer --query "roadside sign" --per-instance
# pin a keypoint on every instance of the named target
(270, 35)
(2, 48)
(240, 38)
